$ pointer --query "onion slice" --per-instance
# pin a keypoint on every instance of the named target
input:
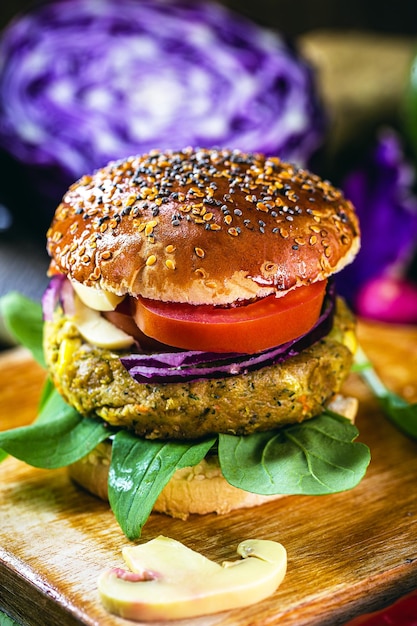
(59, 291)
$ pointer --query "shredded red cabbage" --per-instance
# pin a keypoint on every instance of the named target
(84, 82)
(185, 366)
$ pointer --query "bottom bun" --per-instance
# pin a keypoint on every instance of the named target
(200, 489)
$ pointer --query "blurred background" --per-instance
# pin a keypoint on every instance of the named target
(329, 85)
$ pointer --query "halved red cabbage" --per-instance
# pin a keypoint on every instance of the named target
(83, 82)
(193, 365)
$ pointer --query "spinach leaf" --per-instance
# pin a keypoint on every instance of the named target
(55, 442)
(140, 469)
(47, 391)
(400, 412)
(52, 406)
(23, 319)
(312, 458)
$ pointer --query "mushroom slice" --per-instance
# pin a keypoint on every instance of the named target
(97, 330)
(97, 299)
(170, 581)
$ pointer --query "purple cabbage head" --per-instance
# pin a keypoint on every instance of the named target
(83, 82)
(381, 190)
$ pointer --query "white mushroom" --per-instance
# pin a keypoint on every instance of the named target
(97, 330)
(95, 298)
(170, 581)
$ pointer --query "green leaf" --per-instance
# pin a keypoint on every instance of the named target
(400, 412)
(55, 442)
(53, 406)
(140, 469)
(23, 319)
(47, 391)
(312, 458)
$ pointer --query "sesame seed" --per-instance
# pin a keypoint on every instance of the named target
(57, 236)
(170, 264)
(95, 274)
(200, 252)
(169, 248)
(131, 199)
(151, 260)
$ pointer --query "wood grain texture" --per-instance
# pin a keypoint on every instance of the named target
(347, 552)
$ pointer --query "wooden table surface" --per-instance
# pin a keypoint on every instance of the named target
(347, 553)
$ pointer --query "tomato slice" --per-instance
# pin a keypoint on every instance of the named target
(249, 328)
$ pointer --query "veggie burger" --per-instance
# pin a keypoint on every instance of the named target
(191, 308)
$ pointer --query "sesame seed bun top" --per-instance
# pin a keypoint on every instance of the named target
(202, 226)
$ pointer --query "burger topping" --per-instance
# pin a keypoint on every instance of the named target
(170, 581)
(193, 365)
(249, 328)
(246, 328)
(97, 330)
(97, 299)
(152, 361)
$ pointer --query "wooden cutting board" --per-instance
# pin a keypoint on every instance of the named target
(347, 553)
